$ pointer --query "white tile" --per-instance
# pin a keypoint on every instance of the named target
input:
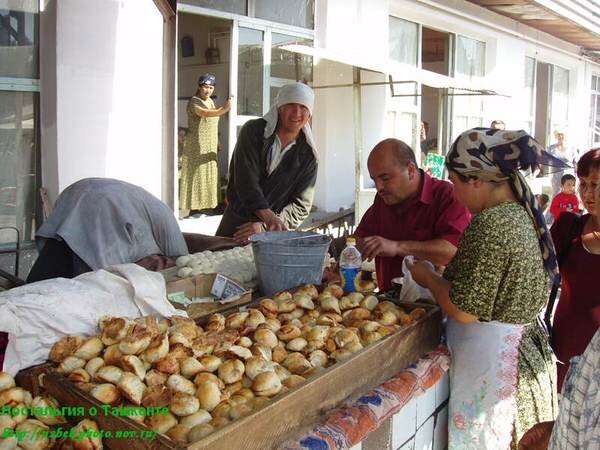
(410, 445)
(404, 424)
(425, 405)
(442, 390)
(357, 447)
(440, 433)
(424, 437)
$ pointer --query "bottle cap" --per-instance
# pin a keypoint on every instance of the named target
(350, 241)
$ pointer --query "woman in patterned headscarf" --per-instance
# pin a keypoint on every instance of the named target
(502, 377)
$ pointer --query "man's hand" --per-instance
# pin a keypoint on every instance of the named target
(156, 262)
(373, 246)
(275, 224)
(243, 232)
(538, 437)
(331, 276)
(271, 220)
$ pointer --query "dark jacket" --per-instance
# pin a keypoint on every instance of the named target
(288, 191)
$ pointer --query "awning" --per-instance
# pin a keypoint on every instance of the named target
(398, 72)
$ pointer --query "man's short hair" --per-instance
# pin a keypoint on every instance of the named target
(567, 177)
(498, 125)
(544, 199)
(401, 151)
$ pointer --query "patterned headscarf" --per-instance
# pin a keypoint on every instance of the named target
(208, 79)
(498, 155)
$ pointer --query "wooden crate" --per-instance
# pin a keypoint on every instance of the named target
(67, 394)
(200, 286)
(31, 378)
(296, 408)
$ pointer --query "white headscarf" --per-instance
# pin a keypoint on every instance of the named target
(293, 93)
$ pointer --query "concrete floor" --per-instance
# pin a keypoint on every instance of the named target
(208, 224)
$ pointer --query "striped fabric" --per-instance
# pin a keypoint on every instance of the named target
(578, 423)
(347, 426)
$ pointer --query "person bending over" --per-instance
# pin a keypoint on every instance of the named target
(99, 222)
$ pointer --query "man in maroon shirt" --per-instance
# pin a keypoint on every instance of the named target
(413, 213)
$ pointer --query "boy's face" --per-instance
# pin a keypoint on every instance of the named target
(568, 187)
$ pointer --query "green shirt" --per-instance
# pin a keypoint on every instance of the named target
(498, 272)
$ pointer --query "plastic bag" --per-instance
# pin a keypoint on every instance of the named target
(37, 315)
(412, 291)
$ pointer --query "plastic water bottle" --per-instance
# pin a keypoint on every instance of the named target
(350, 264)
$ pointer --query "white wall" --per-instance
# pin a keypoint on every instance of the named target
(360, 27)
(347, 27)
(105, 64)
(507, 44)
(333, 128)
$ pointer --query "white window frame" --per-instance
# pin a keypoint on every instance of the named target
(267, 27)
(26, 84)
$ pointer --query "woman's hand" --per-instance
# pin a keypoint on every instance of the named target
(421, 272)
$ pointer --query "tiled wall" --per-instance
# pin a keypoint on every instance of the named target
(421, 425)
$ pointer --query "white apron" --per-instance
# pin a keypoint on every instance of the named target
(483, 384)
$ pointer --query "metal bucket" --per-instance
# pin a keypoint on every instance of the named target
(286, 259)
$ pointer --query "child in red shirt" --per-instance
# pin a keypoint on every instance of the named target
(565, 200)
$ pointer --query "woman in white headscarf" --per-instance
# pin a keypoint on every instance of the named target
(273, 169)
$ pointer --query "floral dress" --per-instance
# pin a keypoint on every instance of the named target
(498, 276)
(199, 187)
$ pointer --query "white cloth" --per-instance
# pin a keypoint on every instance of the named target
(483, 384)
(412, 291)
(37, 315)
(293, 93)
(276, 153)
(107, 222)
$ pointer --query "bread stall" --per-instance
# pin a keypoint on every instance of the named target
(248, 376)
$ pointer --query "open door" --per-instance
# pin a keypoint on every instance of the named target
(205, 48)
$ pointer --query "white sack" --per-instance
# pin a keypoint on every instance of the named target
(37, 315)
(412, 291)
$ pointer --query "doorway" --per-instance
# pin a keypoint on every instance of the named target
(435, 57)
(205, 47)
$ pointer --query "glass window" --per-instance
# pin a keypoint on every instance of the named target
(403, 40)
(292, 12)
(560, 97)
(595, 112)
(528, 97)
(469, 64)
(250, 72)
(470, 57)
(231, 6)
(18, 153)
(19, 44)
(596, 130)
(289, 65)
(286, 66)
(529, 85)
